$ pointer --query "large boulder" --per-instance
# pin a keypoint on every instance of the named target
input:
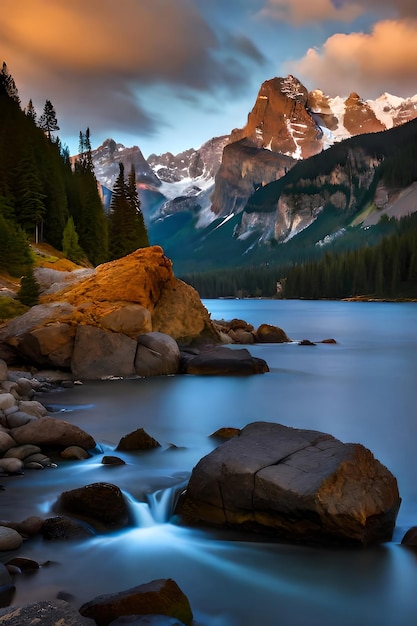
(157, 597)
(99, 353)
(223, 361)
(299, 485)
(157, 354)
(90, 324)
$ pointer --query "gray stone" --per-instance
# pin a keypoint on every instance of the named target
(6, 442)
(33, 407)
(157, 354)
(300, 485)
(21, 452)
(99, 354)
(10, 539)
(52, 432)
(11, 466)
(46, 612)
(7, 400)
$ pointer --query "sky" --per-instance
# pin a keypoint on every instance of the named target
(168, 75)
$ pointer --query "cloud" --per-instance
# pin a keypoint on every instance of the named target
(361, 62)
(298, 12)
(302, 12)
(103, 53)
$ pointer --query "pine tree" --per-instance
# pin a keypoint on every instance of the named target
(7, 85)
(70, 246)
(15, 254)
(48, 120)
(87, 208)
(119, 210)
(29, 291)
(30, 198)
(31, 112)
(139, 233)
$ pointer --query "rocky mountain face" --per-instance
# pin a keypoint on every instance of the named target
(211, 187)
(289, 121)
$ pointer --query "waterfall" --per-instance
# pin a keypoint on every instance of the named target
(157, 509)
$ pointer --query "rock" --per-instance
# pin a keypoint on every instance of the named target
(74, 453)
(100, 353)
(50, 345)
(38, 459)
(27, 528)
(112, 460)
(180, 314)
(33, 407)
(157, 597)
(46, 612)
(11, 466)
(137, 440)
(10, 539)
(6, 442)
(21, 452)
(100, 504)
(157, 355)
(24, 388)
(64, 528)
(328, 341)
(225, 433)
(222, 361)
(19, 418)
(306, 342)
(119, 300)
(52, 281)
(49, 431)
(6, 401)
(23, 563)
(299, 485)
(410, 538)
(129, 319)
(267, 333)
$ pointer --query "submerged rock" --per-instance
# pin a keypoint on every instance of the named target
(299, 485)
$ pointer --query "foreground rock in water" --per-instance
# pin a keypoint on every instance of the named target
(47, 613)
(157, 597)
(301, 485)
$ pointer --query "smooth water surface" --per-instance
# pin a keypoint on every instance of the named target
(361, 389)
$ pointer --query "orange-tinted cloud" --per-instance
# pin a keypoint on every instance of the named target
(364, 62)
(92, 58)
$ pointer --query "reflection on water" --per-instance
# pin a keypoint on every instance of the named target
(361, 389)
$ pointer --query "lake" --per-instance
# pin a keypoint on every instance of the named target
(361, 389)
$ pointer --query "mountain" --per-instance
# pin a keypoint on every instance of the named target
(242, 198)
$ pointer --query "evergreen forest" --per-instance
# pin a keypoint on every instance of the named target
(46, 196)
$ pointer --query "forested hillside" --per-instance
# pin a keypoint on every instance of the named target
(46, 198)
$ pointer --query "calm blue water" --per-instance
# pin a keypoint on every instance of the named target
(363, 389)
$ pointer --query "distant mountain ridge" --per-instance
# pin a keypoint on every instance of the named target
(200, 196)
